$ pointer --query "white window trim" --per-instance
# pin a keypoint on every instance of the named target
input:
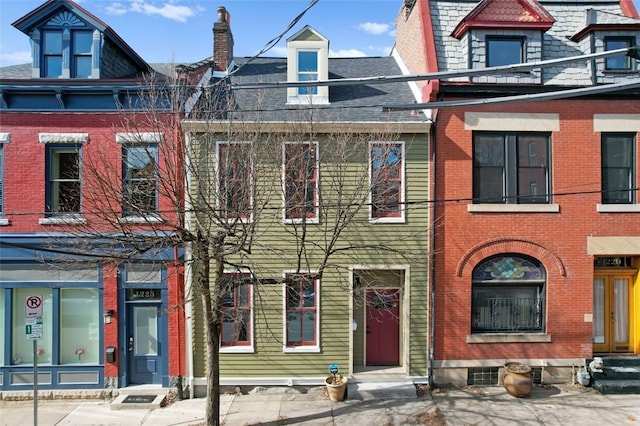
(242, 349)
(150, 218)
(63, 138)
(217, 180)
(321, 45)
(300, 349)
(402, 217)
(315, 219)
(139, 137)
(66, 219)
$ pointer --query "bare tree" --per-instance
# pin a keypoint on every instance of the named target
(218, 181)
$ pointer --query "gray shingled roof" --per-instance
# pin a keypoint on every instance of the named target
(347, 103)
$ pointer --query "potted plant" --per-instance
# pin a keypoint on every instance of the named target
(336, 384)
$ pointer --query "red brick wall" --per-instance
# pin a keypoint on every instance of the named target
(24, 203)
(559, 240)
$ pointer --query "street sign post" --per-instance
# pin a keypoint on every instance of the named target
(34, 329)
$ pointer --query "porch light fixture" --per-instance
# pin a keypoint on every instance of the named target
(107, 316)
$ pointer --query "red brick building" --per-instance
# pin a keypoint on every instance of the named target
(536, 169)
(78, 183)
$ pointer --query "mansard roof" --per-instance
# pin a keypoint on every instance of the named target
(598, 20)
(507, 14)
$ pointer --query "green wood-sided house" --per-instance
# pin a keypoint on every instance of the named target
(322, 198)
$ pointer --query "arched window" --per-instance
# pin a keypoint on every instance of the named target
(508, 295)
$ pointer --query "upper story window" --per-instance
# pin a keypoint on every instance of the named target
(140, 175)
(307, 70)
(300, 181)
(618, 168)
(234, 179)
(620, 62)
(308, 60)
(63, 190)
(53, 48)
(52, 52)
(387, 181)
(511, 168)
(508, 295)
(81, 67)
(505, 51)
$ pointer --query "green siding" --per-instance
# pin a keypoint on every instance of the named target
(273, 253)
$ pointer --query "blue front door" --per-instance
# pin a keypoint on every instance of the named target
(144, 348)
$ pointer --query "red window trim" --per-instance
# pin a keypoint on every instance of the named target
(228, 212)
(237, 309)
(377, 213)
(293, 212)
(298, 280)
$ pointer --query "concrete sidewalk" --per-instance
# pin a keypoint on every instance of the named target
(395, 405)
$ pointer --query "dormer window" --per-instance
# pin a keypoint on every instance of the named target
(505, 51)
(52, 51)
(54, 44)
(308, 60)
(308, 70)
(621, 62)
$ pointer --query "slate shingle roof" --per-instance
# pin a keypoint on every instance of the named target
(347, 103)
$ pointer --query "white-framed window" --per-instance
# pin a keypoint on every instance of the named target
(308, 60)
(236, 334)
(387, 181)
(234, 180)
(302, 313)
(300, 181)
(140, 179)
(63, 192)
(308, 70)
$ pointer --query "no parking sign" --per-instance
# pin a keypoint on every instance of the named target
(33, 306)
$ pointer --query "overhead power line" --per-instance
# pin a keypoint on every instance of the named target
(440, 75)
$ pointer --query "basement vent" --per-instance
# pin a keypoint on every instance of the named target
(488, 376)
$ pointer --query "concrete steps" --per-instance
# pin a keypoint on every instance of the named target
(620, 375)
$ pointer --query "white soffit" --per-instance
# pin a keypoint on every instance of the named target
(502, 121)
(613, 245)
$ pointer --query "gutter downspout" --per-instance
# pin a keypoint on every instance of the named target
(188, 291)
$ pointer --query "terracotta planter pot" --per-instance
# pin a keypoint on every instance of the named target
(516, 378)
(336, 388)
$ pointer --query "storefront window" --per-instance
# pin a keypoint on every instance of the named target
(22, 349)
(79, 328)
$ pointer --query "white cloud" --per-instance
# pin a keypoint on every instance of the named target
(167, 10)
(116, 9)
(15, 58)
(373, 28)
(346, 53)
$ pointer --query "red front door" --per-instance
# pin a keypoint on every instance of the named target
(383, 327)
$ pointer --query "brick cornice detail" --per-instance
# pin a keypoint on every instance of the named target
(509, 245)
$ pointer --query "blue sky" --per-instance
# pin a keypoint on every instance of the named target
(181, 30)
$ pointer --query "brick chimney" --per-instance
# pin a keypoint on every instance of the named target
(222, 41)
